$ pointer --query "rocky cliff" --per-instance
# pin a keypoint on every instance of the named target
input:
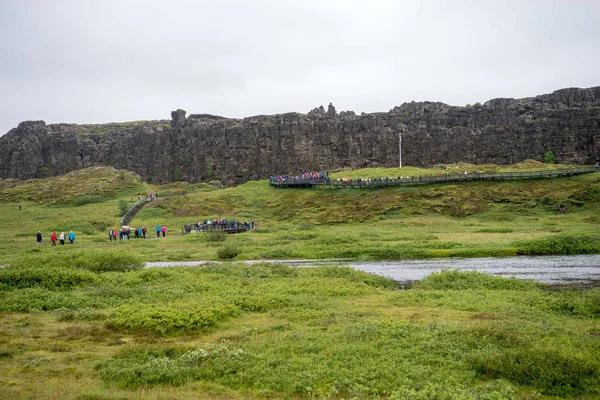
(202, 147)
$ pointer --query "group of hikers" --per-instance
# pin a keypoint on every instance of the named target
(149, 196)
(138, 233)
(304, 176)
(56, 238)
(218, 224)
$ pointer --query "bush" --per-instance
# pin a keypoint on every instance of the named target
(546, 201)
(216, 237)
(228, 252)
(170, 318)
(353, 275)
(88, 229)
(84, 314)
(178, 174)
(549, 158)
(459, 280)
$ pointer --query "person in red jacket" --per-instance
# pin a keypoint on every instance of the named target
(53, 238)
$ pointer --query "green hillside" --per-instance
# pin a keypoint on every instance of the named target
(465, 219)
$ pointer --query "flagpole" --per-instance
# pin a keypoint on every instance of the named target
(400, 150)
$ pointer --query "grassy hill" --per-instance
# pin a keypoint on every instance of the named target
(472, 219)
(86, 322)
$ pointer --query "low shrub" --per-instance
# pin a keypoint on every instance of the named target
(215, 237)
(459, 280)
(228, 252)
(88, 229)
(170, 318)
(353, 275)
(547, 200)
(83, 314)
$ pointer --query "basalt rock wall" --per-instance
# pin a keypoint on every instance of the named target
(205, 147)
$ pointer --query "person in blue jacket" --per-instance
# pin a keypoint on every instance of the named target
(71, 237)
(158, 229)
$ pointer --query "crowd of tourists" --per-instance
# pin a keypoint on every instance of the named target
(54, 237)
(126, 232)
(218, 224)
(374, 181)
(304, 176)
(317, 177)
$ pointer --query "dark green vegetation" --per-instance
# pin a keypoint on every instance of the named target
(85, 322)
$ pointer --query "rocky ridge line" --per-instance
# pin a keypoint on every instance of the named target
(203, 147)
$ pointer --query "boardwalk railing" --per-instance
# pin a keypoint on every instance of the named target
(379, 183)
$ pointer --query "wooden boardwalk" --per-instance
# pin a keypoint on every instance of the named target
(381, 183)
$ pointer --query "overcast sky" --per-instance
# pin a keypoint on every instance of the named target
(87, 61)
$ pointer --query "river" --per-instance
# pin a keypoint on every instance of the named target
(573, 269)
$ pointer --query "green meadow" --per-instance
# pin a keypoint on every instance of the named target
(85, 321)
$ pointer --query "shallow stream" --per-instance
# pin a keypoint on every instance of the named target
(574, 269)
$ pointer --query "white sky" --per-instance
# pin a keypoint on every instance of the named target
(86, 61)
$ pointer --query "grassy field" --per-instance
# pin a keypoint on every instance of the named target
(83, 321)
(233, 331)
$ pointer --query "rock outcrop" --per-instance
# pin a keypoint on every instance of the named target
(207, 147)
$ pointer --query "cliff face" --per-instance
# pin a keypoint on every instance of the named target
(501, 131)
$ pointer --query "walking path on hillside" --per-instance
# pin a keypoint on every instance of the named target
(133, 211)
(380, 183)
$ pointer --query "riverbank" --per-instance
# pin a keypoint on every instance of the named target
(566, 270)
